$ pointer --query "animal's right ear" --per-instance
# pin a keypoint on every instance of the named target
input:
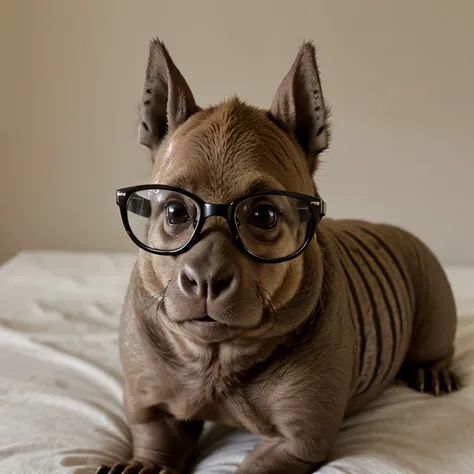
(167, 100)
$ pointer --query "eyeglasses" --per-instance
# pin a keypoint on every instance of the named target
(270, 227)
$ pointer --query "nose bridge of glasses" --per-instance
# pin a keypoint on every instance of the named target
(216, 210)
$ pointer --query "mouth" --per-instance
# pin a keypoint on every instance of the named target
(206, 319)
(208, 329)
(206, 323)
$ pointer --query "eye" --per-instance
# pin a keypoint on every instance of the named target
(176, 213)
(263, 216)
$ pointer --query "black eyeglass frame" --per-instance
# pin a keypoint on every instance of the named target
(316, 206)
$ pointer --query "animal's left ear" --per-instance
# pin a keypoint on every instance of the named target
(299, 107)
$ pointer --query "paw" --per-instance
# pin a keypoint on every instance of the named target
(430, 379)
(134, 467)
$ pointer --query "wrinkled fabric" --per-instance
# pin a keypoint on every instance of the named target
(61, 392)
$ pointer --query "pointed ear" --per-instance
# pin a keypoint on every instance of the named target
(167, 100)
(299, 105)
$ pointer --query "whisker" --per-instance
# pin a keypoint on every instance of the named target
(266, 301)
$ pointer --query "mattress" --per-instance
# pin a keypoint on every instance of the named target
(60, 383)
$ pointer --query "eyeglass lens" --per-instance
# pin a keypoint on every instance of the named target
(270, 226)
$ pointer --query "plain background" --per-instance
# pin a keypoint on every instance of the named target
(399, 76)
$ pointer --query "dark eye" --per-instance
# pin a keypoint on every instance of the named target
(176, 213)
(263, 216)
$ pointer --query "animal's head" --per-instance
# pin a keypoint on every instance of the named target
(225, 257)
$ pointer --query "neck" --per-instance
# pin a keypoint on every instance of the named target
(219, 365)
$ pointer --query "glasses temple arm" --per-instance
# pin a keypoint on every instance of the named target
(139, 205)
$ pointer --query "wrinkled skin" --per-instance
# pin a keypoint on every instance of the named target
(282, 361)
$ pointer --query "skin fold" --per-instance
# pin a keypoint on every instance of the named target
(303, 342)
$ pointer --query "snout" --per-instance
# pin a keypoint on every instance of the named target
(210, 289)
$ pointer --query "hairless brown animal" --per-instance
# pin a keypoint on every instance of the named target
(236, 326)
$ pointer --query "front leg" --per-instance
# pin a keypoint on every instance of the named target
(282, 457)
(305, 405)
(161, 445)
(307, 414)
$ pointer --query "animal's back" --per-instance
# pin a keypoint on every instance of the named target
(398, 300)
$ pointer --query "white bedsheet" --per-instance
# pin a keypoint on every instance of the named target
(60, 383)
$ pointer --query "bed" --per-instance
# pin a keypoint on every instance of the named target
(60, 383)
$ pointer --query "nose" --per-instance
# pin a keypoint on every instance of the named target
(214, 284)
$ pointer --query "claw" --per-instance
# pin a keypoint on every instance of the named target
(446, 377)
(456, 382)
(420, 381)
(435, 382)
(131, 470)
(118, 468)
(134, 468)
(103, 469)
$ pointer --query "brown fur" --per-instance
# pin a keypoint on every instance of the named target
(286, 363)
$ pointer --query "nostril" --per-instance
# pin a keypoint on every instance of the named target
(189, 281)
(190, 276)
(221, 284)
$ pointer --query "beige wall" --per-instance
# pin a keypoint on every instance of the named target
(399, 76)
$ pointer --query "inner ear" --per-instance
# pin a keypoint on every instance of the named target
(167, 100)
(299, 106)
